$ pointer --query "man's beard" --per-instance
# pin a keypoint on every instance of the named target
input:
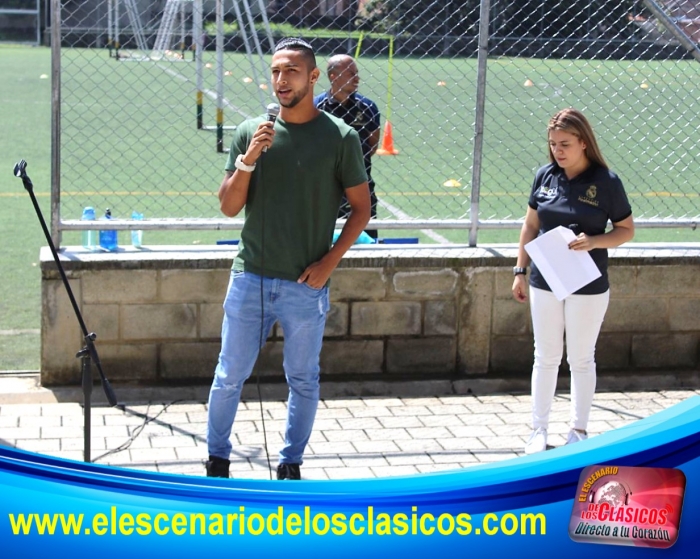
(294, 101)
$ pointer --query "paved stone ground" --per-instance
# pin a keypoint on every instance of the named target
(352, 438)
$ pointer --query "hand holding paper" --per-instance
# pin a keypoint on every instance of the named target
(565, 270)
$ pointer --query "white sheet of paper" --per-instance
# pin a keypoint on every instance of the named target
(565, 270)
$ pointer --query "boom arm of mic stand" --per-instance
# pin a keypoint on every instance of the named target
(21, 172)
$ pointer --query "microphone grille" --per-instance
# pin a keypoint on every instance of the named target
(273, 109)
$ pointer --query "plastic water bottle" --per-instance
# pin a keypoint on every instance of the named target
(136, 236)
(89, 235)
(108, 238)
(364, 239)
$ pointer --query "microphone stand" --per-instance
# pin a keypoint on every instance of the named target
(88, 354)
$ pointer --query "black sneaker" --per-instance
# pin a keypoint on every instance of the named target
(217, 467)
(288, 471)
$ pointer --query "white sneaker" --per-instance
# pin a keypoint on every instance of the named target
(576, 436)
(537, 441)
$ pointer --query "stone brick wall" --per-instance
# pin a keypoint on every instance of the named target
(396, 314)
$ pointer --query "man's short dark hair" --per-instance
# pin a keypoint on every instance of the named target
(298, 44)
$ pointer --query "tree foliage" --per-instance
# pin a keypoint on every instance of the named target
(510, 18)
(451, 17)
(564, 19)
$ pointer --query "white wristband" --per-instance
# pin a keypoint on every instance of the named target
(242, 166)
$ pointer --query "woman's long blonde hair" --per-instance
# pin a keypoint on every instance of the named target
(574, 122)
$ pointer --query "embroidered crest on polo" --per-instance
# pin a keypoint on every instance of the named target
(592, 191)
(359, 119)
(588, 199)
(548, 191)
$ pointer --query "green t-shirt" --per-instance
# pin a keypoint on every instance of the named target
(295, 192)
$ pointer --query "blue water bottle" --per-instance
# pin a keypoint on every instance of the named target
(89, 235)
(108, 238)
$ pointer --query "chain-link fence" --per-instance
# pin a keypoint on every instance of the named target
(150, 90)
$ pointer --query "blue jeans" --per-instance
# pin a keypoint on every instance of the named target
(301, 311)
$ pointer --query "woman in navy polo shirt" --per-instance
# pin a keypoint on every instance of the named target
(576, 190)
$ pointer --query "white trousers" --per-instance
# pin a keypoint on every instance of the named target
(581, 317)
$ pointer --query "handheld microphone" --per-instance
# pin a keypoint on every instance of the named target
(273, 110)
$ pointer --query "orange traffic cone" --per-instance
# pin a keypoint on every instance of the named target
(387, 141)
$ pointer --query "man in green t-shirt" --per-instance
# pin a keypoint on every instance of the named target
(290, 176)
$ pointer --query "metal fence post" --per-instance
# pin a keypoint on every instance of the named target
(676, 31)
(479, 118)
(56, 123)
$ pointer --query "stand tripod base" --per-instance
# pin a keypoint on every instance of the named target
(86, 379)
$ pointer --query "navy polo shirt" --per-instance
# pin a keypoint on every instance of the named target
(360, 113)
(584, 204)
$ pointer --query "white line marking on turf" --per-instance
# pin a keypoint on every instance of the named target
(402, 215)
(19, 332)
(211, 94)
